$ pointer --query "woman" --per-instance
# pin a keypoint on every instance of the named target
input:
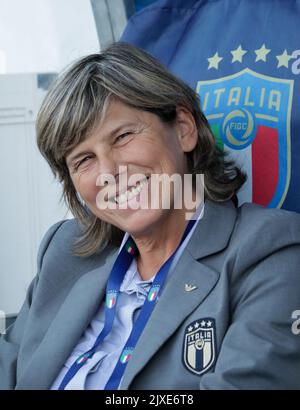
(177, 302)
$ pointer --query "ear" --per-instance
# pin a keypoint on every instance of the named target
(186, 129)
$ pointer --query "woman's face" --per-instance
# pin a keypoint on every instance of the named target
(136, 144)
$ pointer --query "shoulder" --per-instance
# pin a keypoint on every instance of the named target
(261, 231)
(56, 260)
(259, 217)
(58, 237)
(265, 251)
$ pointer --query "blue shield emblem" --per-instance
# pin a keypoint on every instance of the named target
(199, 347)
(250, 116)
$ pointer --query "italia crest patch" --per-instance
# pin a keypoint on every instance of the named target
(199, 345)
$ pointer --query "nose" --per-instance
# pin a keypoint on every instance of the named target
(106, 170)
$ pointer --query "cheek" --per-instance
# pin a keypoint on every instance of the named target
(156, 155)
(86, 186)
(171, 161)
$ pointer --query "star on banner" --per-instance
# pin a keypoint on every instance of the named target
(283, 59)
(214, 61)
(238, 54)
(261, 53)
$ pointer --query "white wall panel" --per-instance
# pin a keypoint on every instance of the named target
(29, 201)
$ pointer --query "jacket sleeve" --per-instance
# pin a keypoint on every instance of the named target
(11, 340)
(260, 350)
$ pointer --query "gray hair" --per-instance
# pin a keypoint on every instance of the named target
(75, 104)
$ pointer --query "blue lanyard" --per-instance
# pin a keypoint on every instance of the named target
(120, 267)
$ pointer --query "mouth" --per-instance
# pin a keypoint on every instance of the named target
(129, 193)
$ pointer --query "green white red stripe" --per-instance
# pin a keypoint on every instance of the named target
(126, 355)
(111, 299)
(83, 358)
(153, 292)
(130, 248)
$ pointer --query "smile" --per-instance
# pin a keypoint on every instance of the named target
(130, 193)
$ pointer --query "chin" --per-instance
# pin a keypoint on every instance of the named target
(142, 221)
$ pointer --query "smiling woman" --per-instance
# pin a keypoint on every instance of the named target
(132, 111)
(135, 296)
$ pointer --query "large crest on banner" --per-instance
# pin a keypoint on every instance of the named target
(250, 115)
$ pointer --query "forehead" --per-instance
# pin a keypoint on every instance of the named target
(116, 116)
(116, 112)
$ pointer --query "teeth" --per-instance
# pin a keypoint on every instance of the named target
(130, 193)
(122, 198)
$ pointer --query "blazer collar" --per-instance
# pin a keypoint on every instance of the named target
(210, 236)
(213, 230)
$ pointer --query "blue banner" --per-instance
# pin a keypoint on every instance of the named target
(243, 59)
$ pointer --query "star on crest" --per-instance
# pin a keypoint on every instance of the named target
(196, 325)
(238, 54)
(261, 53)
(209, 323)
(203, 323)
(214, 61)
(190, 328)
(283, 59)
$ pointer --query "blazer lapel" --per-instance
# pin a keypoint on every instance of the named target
(173, 307)
(176, 304)
(67, 327)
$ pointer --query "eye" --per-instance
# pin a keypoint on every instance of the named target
(122, 136)
(77, 165)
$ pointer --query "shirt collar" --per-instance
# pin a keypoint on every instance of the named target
(132, 281)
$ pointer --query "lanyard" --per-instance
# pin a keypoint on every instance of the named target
(120, 267)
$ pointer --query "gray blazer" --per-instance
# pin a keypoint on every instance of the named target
(230, 328)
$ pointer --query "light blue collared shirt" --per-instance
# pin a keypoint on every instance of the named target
(133, 291)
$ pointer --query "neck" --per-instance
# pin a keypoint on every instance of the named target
(157, 246)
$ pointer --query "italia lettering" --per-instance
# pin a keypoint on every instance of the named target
(218, 94)
(199, 335)
(247, 101)
(247, 97)
(234, 96)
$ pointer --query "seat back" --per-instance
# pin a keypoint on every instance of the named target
(242, 58)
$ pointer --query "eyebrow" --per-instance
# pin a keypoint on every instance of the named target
(73, 158)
